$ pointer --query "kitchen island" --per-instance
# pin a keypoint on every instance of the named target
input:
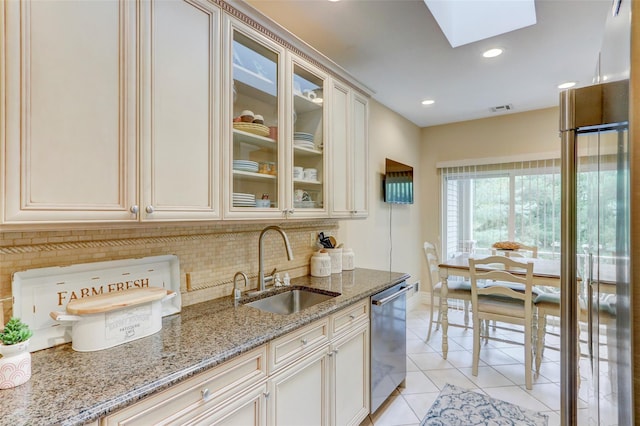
(72, 388)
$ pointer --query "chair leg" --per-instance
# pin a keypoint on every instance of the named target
(476, 345)
(439, 319)
(542, 330)
(431, 317)
(466, 314)
(528, 355)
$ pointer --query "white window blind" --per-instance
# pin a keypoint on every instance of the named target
(515, 201)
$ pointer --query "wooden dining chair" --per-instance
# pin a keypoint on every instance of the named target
(460, 290)
(503, 303)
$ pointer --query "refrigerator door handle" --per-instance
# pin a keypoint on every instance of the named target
(590, 309)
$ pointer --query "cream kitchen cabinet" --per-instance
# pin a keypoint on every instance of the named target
(254, 157)
(180, 110)
(317, 374)
(275, 166)
(115, 112)
(97, 92)
(322, 382)
(68, 111)
(307, 134)
(349, 152)
(349, 396)
(231, 393)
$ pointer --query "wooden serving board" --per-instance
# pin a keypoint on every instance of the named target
(117, 300)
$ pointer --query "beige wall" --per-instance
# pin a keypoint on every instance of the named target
(394, 229)
(526, 135)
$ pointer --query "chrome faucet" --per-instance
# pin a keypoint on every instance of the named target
(261, 278)
(236, 291)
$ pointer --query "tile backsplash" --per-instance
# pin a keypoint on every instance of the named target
(209, 254)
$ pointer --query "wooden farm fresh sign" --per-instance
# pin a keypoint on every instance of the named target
(65, 296)
(38, 292)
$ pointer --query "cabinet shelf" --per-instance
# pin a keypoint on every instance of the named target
(299, 151)
(246, 137)
(255, 84)
(256, 177)
(303, 104)
(302, 182)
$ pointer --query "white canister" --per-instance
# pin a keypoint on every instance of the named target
(336, 259)
(348, 261)
(320, 264)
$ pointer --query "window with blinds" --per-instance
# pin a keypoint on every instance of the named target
(515, 201)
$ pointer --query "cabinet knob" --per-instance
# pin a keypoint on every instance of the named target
(134, 209)
(330, 354)
(352, 316)
(205, 394)
(266, 395)
(335, 351)
(149, 209)
(292, 211)
(303, 341)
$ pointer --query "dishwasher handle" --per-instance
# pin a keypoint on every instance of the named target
(395, 295)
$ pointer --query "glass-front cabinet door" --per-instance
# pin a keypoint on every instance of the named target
(255, 159)
(308, 161)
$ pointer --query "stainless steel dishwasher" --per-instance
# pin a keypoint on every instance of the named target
(388, 342)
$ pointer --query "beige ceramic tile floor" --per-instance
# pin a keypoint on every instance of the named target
(500, 375)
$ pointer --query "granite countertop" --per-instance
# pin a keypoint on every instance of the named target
(72, 388)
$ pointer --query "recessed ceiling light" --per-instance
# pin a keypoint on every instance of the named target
(334, 1)
(566, 85)
(492, 53)
(428, 102)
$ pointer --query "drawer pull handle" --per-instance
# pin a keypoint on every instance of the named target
(205, 394)
(303, 341)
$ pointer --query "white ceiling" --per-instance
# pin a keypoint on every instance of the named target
(396, 48)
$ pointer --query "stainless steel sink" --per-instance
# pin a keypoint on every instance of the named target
(290, 301)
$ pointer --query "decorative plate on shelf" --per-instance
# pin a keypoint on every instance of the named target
(256, 129)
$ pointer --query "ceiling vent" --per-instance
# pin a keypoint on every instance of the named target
(502, 108)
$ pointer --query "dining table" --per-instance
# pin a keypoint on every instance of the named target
(546, 272)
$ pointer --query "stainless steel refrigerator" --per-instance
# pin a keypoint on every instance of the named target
(596, 356)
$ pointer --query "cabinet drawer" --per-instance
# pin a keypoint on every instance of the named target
(210, 387)
(290, 347)
(343, 321)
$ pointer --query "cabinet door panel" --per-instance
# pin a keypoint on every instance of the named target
(340, 152)
(69, 70)
(350, 396)
(360, 156)
(299, 394)
(180, 109)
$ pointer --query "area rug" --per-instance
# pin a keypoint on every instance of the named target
(461, 407)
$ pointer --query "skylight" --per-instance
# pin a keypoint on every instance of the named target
(466, 21)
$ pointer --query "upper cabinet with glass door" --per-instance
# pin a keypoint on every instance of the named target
(254, 157)
(308, 141)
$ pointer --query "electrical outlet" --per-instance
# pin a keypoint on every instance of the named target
(416, 286)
